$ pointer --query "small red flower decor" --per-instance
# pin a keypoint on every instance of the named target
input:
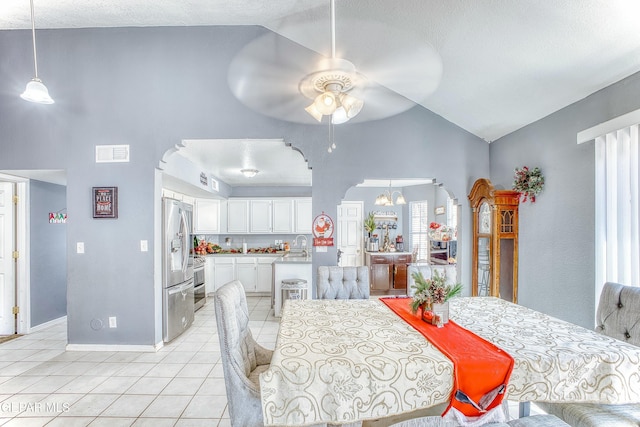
(528, 182)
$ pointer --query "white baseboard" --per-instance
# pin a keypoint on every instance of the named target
(48, 324)
(113, 347)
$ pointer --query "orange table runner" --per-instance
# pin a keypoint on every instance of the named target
(481, 369)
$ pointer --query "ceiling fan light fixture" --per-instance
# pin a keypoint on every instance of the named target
(340, 116)
(249, 173)
(326, 103)
(313, 112)
(351, 104)
(36, 92)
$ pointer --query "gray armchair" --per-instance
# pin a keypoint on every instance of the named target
(243, 360)
(342, 282)
(618, 316)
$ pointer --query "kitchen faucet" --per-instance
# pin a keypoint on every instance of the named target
(304, 244)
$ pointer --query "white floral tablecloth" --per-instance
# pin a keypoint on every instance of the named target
(555, 361)
(347, 360)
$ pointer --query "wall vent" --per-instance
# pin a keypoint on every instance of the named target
(112, 153)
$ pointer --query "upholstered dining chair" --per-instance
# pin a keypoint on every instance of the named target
(618, 316)
(342, 282)
(243, 359)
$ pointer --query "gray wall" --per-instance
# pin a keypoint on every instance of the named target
(48, 250)
(144, 87)
(557, 234)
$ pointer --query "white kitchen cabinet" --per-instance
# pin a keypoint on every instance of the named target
(303, 216)
(237, 216)
(224, 271)
(265, 275)
(247, 273)
(282, 220)
(206, 216)
(260, 216)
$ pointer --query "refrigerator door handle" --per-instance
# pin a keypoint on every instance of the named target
(185, 238)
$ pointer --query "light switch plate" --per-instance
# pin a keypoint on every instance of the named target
(144, 246)
(80, 247)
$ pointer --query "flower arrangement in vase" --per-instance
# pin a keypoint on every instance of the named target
(432, 296)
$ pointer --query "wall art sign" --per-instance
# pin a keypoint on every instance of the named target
(322, 230)
(105, 202)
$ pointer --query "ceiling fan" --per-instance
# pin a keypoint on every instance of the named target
(286, 78)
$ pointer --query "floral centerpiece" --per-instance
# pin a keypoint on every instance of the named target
(528, 182)
(432, 291)
(439, 231)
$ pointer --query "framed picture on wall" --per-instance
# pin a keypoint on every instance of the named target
(105, 202)
(440, 210)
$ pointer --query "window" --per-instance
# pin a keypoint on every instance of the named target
(420, 230)
(452, 213)
(617, 220)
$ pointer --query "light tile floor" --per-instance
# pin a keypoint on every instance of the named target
(180, 385)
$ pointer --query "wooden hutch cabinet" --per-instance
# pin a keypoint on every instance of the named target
(495, 241)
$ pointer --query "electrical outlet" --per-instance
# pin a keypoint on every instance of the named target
(80, 247)
(112, 322)
(144, 246)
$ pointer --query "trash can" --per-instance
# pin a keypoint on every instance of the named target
(293, 289)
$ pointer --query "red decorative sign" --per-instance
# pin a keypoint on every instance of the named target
(322, 230)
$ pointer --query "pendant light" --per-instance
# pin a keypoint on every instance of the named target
(36, 91)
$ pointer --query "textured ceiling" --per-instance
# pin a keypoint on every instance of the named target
(506, 63)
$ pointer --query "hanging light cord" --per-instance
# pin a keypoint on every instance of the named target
(33, 37)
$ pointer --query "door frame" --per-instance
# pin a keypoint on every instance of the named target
(21, 226)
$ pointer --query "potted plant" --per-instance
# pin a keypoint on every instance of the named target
(432, 295)
(370, 224)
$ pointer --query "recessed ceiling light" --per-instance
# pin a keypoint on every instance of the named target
(249, 173)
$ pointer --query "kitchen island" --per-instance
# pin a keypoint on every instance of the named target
(290, 267)
(388, 272)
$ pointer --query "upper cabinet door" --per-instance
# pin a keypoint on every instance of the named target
(282, 216)
(237, 216)
(303, 216)
(260, 216)
(207, 216)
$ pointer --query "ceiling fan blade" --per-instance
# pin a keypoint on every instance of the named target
(265, 76)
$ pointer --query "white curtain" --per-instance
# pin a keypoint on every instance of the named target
(617, 221)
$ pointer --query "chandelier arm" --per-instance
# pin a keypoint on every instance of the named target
(33, 38)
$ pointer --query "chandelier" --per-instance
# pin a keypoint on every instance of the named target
(386, 198)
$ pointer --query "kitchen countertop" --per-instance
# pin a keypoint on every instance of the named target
(293, 260)
(249, 254)
(389, 253)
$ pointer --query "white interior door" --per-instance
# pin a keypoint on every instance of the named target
(349, 232)
(7, 274)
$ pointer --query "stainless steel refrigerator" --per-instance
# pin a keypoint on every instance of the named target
(177, 264)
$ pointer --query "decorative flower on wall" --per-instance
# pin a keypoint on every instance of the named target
(528, 182)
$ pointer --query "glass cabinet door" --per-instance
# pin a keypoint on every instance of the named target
(484, 267)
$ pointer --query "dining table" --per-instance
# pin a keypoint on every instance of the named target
(343, 361)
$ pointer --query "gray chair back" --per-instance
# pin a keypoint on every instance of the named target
(242, 358)
(618, 314)
(342, 282)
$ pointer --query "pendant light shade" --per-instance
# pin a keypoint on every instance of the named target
(36, 91)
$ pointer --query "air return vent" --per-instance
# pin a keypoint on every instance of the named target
(112, 153)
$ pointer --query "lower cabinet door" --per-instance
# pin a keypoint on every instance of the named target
(381, 277)
(400, 276)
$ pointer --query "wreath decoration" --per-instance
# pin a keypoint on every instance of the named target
(528, 182)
